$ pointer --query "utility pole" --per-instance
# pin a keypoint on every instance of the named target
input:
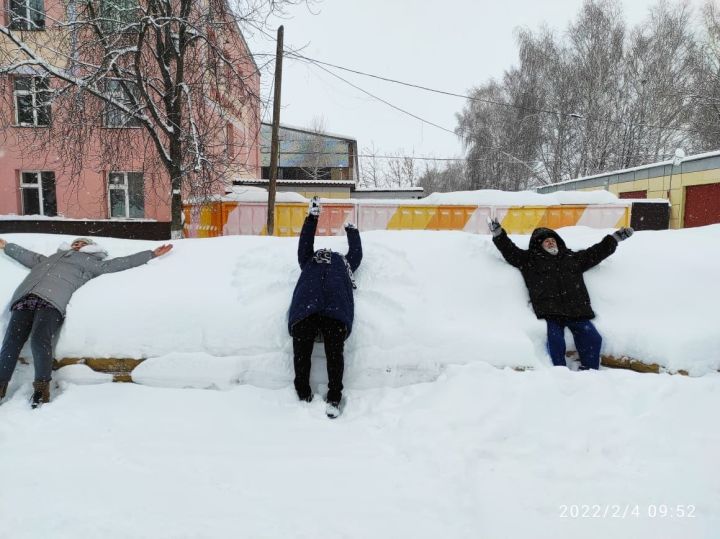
(275, 143)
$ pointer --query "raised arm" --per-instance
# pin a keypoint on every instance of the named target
(510, 252)
(595, 254)
(26, 257)
(306, 244)
(123, 263)
(354, 254)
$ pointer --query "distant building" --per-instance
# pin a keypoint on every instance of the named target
(131, 198)
(403, 193)
(309, 163)
(691, 184)
(314, 163)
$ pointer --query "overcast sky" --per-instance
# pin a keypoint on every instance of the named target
(450, 45)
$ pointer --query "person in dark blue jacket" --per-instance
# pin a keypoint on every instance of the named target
(323, 303)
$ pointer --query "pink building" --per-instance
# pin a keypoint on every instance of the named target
(46, 188)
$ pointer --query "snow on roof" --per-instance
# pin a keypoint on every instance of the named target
(492, 197)
(311, 132)
(390, 190)
(695, 157)
(248, 193)
(339, 183)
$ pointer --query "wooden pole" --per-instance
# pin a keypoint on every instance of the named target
(275, 143)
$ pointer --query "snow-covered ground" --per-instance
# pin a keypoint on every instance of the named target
(481, 452)
(435, 440)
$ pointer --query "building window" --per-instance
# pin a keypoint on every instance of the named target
(118, 15)
(38, 193)
(114, 116)
(27, 15)
(126, 195)
(32, 101)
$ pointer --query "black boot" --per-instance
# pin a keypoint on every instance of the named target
(41, 393)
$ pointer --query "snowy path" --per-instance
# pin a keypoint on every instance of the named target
(481, 452)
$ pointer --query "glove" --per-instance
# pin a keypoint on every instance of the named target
(494, 226)
(350, 226)
(622, 234)
(314, 207)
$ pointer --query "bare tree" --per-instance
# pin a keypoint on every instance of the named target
(451, 177)
(371, 175)
(318, 156)
(400, 171)
(170, 78)
(500, 140)
(706, 94)
(597, 98)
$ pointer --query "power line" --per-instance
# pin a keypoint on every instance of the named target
(385, 101)
(507, 154)
(321, 65)
(574, 115)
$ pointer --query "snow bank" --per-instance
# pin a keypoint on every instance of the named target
(213, 311)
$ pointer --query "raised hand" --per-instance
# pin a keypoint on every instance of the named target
(622, 233)
(163, 249)
(3, 243)
(494, 226)
(314, 207)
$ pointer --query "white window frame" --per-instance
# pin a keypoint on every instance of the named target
(118, 94)
(38, 185)
(26, 19)
(33, 92)
(115, 187)
(124, 187)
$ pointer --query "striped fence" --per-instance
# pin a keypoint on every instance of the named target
(250, 218)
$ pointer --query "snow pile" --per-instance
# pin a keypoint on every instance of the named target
(213, 311)
(491, 197)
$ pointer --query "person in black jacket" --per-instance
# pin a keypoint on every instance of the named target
(323, 303)
(553, 275)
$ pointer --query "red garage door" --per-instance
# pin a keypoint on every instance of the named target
(702, 205)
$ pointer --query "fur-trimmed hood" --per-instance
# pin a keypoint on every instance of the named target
(539, 235)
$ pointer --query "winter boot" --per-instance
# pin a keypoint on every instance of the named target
(41, 393)
(332, 409)
(3, 389)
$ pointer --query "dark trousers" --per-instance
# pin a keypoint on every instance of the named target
(587, 341)
(44, 325)
(333, 332)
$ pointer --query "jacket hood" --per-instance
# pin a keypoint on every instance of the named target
(539, 235)
(95, 250)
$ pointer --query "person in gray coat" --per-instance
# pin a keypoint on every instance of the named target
(39, 303)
